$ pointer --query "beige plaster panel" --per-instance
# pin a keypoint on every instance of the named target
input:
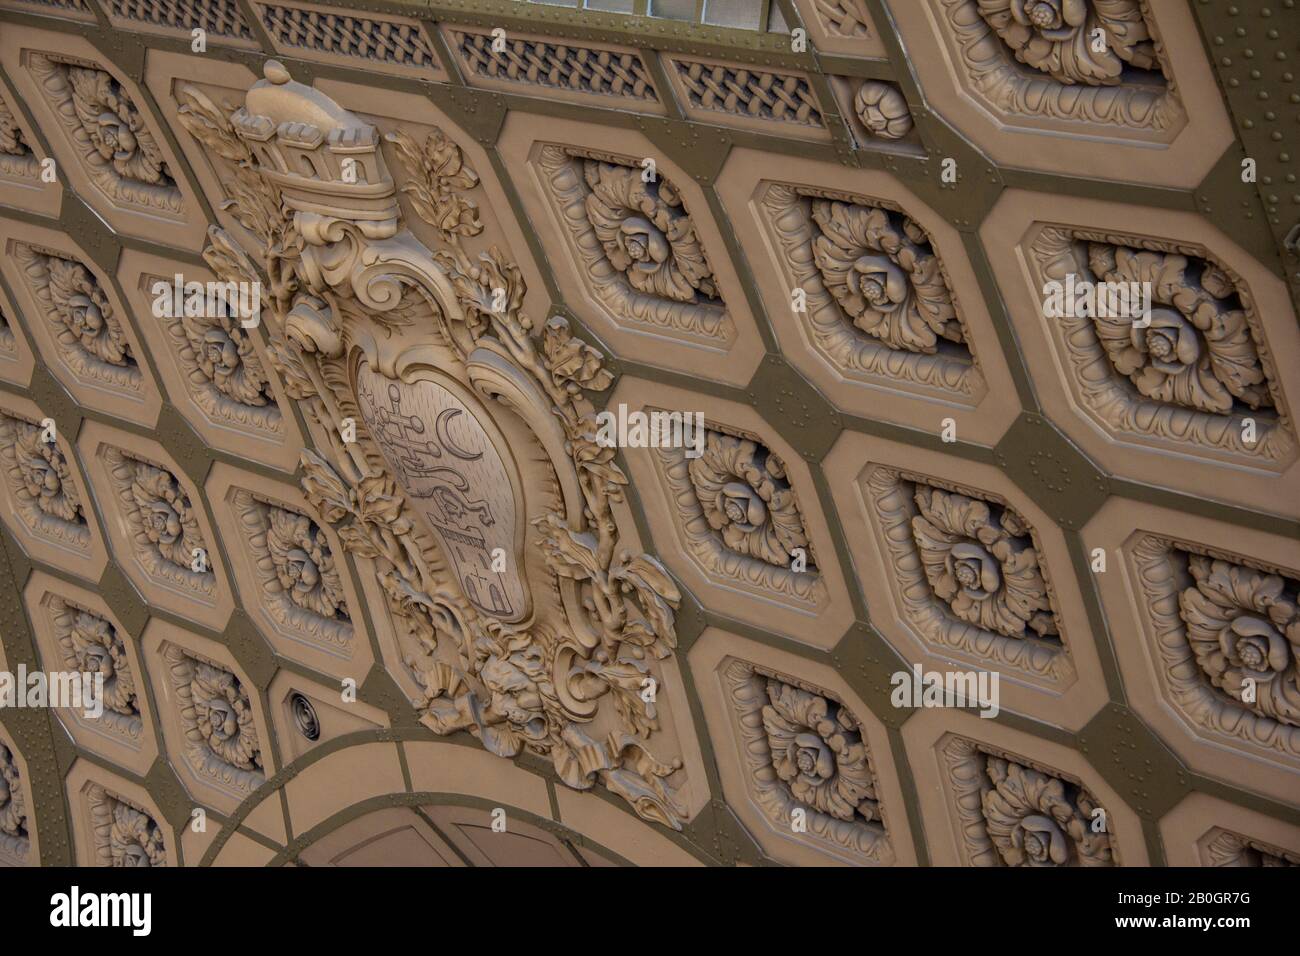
(1186, 829)
(709, 656)
(983, 415)
(923, 737)
(218, 791)
(211, 609)
(821, 624)
(138, 754)
(185, 228)
(1069, 703)
(1187, 468)
(87, 562)
(1093, 150)
(80, 778)
(139, 405)
(339, 780)
(1116, 528)
(733, 360)
(351, 659)
(278, 445)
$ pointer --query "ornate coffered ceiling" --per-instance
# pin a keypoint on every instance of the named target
(363, 579)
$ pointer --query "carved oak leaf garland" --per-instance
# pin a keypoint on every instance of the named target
(499, 682)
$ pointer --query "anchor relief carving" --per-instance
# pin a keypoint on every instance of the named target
(475, 490)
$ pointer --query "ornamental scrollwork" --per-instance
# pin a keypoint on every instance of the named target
(430, 353)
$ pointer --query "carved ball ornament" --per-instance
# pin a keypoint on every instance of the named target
(882, 110)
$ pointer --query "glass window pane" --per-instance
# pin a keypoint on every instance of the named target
(675, 9)
(734, 13)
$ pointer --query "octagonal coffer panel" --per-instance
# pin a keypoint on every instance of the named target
(1206, 378)
(1119, 89)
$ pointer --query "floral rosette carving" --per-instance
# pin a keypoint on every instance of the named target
(13, 807)
(981, 562)
(1244, 628)
(225, 355)
(1198, 350)
(646, 233)
(167, 517)
(304, 565)
(12, 142)
(96, 648)
(115, 127)
(124, 835)
(1074, 41)
(46, 475)
(817, 750)
(744, 495)
(880, 267)
(224, 716)
(518, 688)
(85, 313)
(1034, 819)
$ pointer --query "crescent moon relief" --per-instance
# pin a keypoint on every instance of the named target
(446, 460)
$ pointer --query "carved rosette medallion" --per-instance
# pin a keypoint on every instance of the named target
(879, 305)
(108, 133)
(14, 840)
(45, 495)
(807, 761)
(475, 484)
(1194, 374)
(1224, 848)
(1013, 812)
(216, 716)
(1227, 635)
(122, 833)
(91, 645)
(1096, 62)
(968, 572)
